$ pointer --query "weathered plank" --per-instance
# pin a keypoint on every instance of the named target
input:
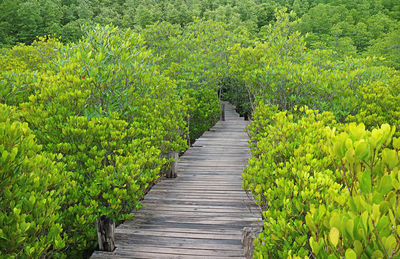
(202, 212)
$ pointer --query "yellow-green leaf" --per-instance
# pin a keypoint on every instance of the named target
(334, 236)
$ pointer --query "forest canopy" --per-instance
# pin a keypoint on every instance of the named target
(354, 27)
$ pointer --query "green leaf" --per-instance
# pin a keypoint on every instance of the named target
(385, 185)
(377, 254)
(4, 155)
(334, 236)
(390, 243)
(350, 254)
(350, 227)
(310, 223)
(396, 143)
(358, 247)
(2, 235)
(350, 155)
(362, 151)
(358, 131)
(365, 184)
(314, 246)
(389, 157)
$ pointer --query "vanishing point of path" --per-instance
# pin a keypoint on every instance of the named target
(201, 213)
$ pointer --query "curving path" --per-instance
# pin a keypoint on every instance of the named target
(201, 213)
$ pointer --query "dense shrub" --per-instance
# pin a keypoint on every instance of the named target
(379, 102)
(326, 189)
(110, 171)
(366, 225)
(288, 173)
(19, 68)
(112, 116)
(32, 186)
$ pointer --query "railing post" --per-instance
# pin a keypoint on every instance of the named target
(105, 233)
(248, 236)
(222, 115)
(173, 170)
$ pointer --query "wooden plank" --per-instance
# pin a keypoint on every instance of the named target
(199, 193)
(211, 202)
(233, 205)
(233, 202)
(199, 198)
(190, 243)
(192, 235)
(194, 227)
(210, 178)
(193, 198)
(199, 215)
(239, 221)
(176, 251)
(178, 229)
(190, 208)
(148, 255)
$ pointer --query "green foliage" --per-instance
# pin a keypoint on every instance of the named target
(8, 8)
(281, 72)
(335, 200)
(196, 57)
(32, 186)
(110, 173)
(234, 91)
(321, 189)
(333, 23)
(204, 111)
(20, 66)
(288, 173)
(349, 27)
(378, 102)
(388, 48)
(366, 225)
(36, 56)
(111, 116)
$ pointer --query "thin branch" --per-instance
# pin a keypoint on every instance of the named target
(380, 240)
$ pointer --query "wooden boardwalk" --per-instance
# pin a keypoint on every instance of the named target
(201, 213)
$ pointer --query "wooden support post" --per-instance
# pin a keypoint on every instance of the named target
(222, 116)
(173, 170)
(248, 235)
(105, 233)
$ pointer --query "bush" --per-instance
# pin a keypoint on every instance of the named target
(367, 224)
(288, 174)
(326, 189)
(33, 57)
(110, 172)
(103, 107)
(378, 102)
(112, 116)
(32, 186)
(19, 68)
